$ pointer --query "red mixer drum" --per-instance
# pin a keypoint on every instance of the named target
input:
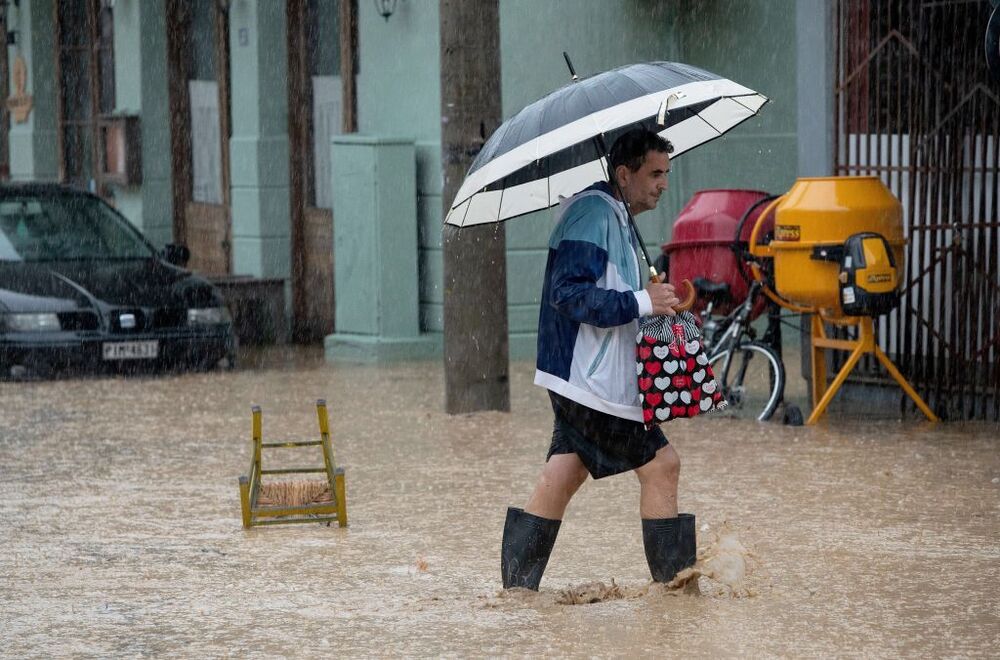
(702, 243)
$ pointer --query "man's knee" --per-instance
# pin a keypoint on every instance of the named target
(664, 468)
(564, 473)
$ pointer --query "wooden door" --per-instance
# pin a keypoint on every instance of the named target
(321, 63)
(84, 42)
(198, 54)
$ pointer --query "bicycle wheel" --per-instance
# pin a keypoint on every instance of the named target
(752, 380)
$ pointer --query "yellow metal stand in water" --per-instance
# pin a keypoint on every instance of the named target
(330, 502)
(865, 343)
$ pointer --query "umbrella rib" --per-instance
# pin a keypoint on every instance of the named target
(736, 99)
(500, 203)
(465, 215)
(548, 186)
(698, 115)
(643, 89)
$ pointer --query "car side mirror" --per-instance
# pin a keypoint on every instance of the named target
(176, 254)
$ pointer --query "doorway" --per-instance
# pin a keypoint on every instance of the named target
(85, 70)
(322, 52)
(198, 58)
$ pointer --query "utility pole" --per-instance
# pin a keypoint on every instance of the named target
(4, 93)
(476, 359)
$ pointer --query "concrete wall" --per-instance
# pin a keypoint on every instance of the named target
(815, 48)
(399, 95)
(737, 39)
(751, 42)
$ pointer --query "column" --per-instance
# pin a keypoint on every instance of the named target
(376, 277)
(140, 31)
(259, 144)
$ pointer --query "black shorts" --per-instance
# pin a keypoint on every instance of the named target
(606, 444)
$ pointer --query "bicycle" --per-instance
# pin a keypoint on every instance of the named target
(750, 373)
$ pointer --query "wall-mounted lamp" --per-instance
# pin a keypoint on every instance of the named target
(385, 8)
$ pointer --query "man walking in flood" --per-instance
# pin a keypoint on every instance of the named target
(593, 296)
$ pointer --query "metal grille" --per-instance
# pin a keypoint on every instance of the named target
(915, 106)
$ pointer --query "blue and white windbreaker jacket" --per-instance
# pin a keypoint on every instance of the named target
(591, 301)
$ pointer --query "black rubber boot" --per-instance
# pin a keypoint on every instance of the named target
(670, 545)
(524, 552)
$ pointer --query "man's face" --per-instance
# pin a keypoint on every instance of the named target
(642, 188)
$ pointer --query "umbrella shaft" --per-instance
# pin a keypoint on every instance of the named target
(602, 150)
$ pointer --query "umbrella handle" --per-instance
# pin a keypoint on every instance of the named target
(688, 302)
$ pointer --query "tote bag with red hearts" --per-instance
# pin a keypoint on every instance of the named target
(675, 378)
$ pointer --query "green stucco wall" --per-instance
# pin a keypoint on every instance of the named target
(399, 95)
(753, 43)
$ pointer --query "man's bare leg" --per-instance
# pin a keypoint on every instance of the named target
(560, 479)
(667, 537)
(528, 535)
(658, 485)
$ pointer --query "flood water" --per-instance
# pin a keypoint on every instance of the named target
(120, 528)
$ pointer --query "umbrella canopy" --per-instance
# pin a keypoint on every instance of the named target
(547, 150)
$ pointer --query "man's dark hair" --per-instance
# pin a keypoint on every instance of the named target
(630, 148)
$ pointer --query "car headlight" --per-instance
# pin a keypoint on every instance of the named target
(31, 322)
(208, 315)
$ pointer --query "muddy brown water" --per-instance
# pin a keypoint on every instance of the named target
(120, 528)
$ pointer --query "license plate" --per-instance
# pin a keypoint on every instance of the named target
(131, 350)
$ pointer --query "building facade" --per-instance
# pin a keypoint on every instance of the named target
(296, 143)
(229, 109)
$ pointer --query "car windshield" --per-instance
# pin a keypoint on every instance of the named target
(65, 227)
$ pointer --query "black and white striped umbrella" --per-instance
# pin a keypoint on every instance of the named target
(547, 150)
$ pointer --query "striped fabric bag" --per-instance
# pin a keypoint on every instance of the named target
(675, 378)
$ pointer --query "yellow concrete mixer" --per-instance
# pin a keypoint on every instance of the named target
(837, 254)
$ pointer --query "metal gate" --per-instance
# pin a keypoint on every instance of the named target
(915, 105)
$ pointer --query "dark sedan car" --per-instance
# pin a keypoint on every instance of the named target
(82, 289)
